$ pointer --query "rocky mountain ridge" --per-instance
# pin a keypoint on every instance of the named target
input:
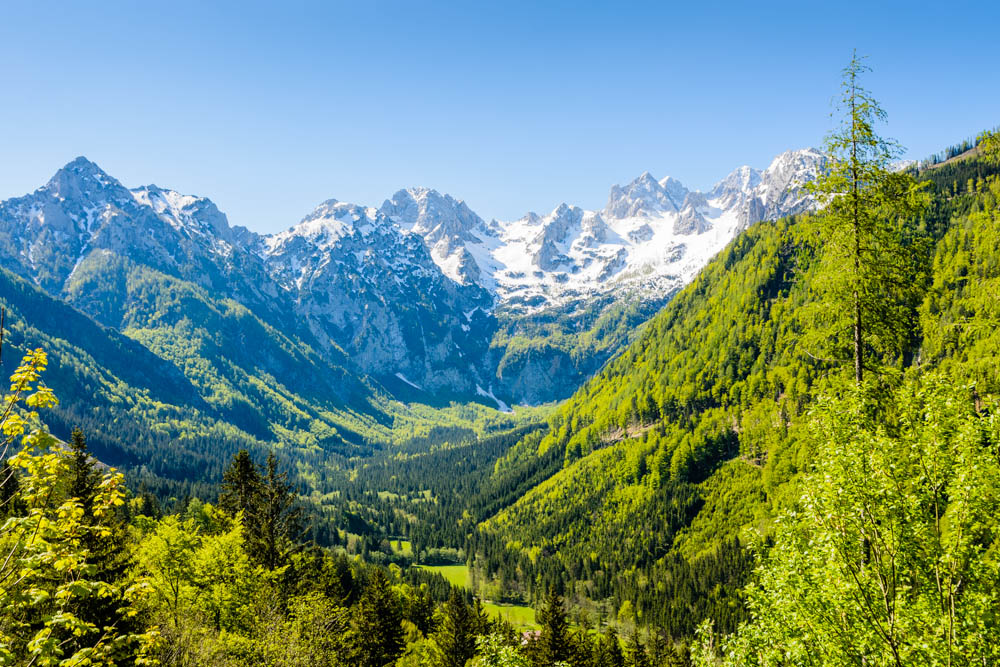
(652, 234)
(412, 292)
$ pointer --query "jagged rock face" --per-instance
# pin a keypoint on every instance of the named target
(736, 186)
(645, 196)
(366, 286)
(775, 192)
(446, 225)
(691, 218)
(345, 279)
(781, 191)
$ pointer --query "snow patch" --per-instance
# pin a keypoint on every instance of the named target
(412, 384)
(501, 406)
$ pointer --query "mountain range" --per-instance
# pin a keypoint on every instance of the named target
(420, 294)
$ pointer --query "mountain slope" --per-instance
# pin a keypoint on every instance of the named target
(362, 285)
(694, 434)
(376, 296)
(574, 286)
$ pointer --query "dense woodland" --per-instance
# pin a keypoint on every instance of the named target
(797, 462)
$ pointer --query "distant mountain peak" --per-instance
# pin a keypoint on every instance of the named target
(431, 213)
(82, 179)
(642, 197)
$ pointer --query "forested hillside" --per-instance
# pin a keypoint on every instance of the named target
(697, 434)
(191, 379)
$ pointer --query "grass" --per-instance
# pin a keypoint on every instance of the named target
(401, 547)
(458, 575)
(518, 616)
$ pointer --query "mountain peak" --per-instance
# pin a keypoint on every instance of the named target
(433, 215)
(802, 157)
(80, 176)
(195, 214)
(642, 197)
(740, 180)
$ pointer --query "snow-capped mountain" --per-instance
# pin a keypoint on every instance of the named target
(49, 234)
(412, 292)
(652, 235)
(448, 227)
(364, 284)
(346, 279)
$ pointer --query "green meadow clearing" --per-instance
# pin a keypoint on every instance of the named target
(458, 575)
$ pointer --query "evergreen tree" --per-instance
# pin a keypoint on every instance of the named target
(84, 476)
(240, 485)
(455, 638)
(872, 278)
(608, 652)
(274, 525)
(554, 644)
(271, 515)
(663, 653)
(481, 623)
(636, 653)
(105, 540)
(378, 631)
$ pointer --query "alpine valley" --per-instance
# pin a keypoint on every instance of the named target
(592, 408)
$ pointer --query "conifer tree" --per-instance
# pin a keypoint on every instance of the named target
(85, 478)
(871, 281)
(106, 539)
(481, 623)
(240, 485)
(554, 644)
(377, 624)
(274, 524)
(271, 515)
(455, 638)
(608, 652)
(636, 653)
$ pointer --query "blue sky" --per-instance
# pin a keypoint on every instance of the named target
(270, 108)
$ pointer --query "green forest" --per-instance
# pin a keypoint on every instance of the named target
(796, 461)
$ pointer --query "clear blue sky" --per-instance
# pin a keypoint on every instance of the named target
(271, 108)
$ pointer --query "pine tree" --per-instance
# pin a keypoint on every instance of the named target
(609, 651)
(272, 519)
(85, 478)
(240, 485)
(378, 631)
(481, 623)
(276, 523)
(455, 638)
(636, 653)
(105, 540)
(872, 262)
(553, 643)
